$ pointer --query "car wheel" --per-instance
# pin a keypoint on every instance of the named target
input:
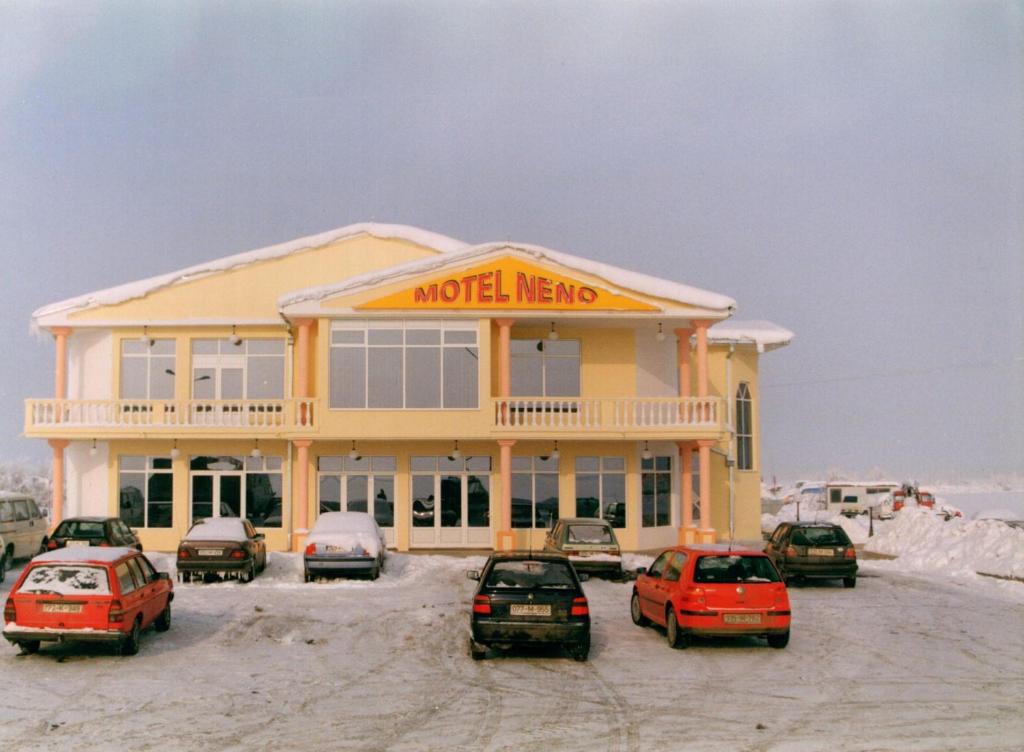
(477, 651)
(676, 637)
(163, 621)
(29, 647)
(375, 572)
(779, 640)
(849, 582)
(581, 649)
(634, 610)
(130, 646)
(249, 574)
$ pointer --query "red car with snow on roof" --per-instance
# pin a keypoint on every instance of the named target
(87, 594)
(712, 590)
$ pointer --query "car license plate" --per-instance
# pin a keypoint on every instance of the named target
(211, 551)
(62, 608)
(74, 543)
(742, 618)
(820, 552)
(530, 609)
(336, 549)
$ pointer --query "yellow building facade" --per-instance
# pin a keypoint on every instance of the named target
(464, 395)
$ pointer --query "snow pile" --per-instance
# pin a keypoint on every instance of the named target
(857, 528)
(925, 542)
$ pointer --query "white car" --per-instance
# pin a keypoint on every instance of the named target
(344, 542)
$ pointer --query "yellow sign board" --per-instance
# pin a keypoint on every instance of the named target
(508, 283)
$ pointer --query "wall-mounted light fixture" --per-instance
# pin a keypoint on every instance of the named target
(256, 453)
(660, 336)
(646, 453)
(555, 454)
(353, 453)
(175, 452)
(236, 340)
(144, 338)
(456, 453)
(93, 450)
(552, 335)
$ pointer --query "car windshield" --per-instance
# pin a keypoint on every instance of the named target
(589, 534)
(530, 575)
(66, 579)
(735, 568)
(820, 536)
(79, 529)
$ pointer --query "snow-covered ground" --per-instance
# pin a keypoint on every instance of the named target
(902, 662)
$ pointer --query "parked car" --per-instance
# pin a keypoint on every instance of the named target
(528, 598)
(590, 544)
(224, 546)
(93, 531)
(813, 549)
(344, 542)
(88, 594)
(712, 590)
(22, 529)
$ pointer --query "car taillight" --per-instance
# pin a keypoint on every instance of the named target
(851, 553)
(790, 552)
(51, 544)
(237, 554)
(311, 549)
(104, 544)
(695, 594)
(9, 612)
(482, 604)
(580, 607)
(116, 613)
(183, 553)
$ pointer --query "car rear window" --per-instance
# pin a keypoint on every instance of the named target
(735, 568)
(79, 529)
(820, 536)
(530, 574)
(589, 534)
(66, 579)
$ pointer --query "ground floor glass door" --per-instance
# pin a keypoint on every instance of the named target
(451, 502)
(216, 495)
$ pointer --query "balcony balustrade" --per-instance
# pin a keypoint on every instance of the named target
(609, 414)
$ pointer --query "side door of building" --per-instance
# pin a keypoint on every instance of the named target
(652, 590)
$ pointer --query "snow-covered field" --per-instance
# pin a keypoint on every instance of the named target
(918, 662)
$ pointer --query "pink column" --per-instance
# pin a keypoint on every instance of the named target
(702, 357)
(683, 358)
(300, 511)
(706, 534)
(687, 530)
(57, 503)
(506, 538)
(504, 364)
(302, 365)
(60, 375)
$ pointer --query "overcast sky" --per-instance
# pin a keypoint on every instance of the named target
(852, 171)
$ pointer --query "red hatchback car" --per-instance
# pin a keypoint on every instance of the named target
(712, 590)
(87, 594)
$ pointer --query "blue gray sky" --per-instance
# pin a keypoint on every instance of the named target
(850, 170)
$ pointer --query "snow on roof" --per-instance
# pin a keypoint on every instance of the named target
(764, 334)
(642, 283)
(140, 288)
(84, 554)
(218, 529)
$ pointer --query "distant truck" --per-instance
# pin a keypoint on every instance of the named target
(852, 498)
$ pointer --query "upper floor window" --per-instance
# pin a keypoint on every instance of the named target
(545, 368)
(744, 429)
(147, 370)
(404, 364)
(250, 369)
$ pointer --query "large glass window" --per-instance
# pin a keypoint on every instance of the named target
(656, 491)
(145, 491)
(250, 369)
(250, 487)
(404, 364)
(601, 489)
(744, 429)
(534, 491)
(545, 368)
(365, 484)
(451, 491)
(147, 370)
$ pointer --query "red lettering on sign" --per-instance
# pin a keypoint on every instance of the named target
(500, 296)
(526, 288)
(450, 290)
(425, 294)
(564, 294)
(485, 288)
(586, 295)
(543, 290)
(467, 282)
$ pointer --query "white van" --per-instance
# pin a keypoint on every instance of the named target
(22, 529)
(853, 498)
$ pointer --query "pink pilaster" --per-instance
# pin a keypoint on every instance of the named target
(687, 530)
(57, 503)
(706, 534)
(301, 487)
(506, 538)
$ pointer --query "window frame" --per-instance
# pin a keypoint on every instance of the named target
(542, 352)
(532, 473)
(347, 470)
(665, 501)
(239, 358)
(603, 473)
(149, 470)
(148, 356)
(744, 427)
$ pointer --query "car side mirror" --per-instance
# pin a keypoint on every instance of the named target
(583, 576)
(473, 574)
(641, 570)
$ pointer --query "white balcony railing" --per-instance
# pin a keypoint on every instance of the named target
(606, 414)
(265, 415)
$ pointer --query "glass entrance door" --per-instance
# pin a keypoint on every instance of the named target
(451, 502)
(216, 495)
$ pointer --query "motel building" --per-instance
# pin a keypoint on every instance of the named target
(464, 395)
